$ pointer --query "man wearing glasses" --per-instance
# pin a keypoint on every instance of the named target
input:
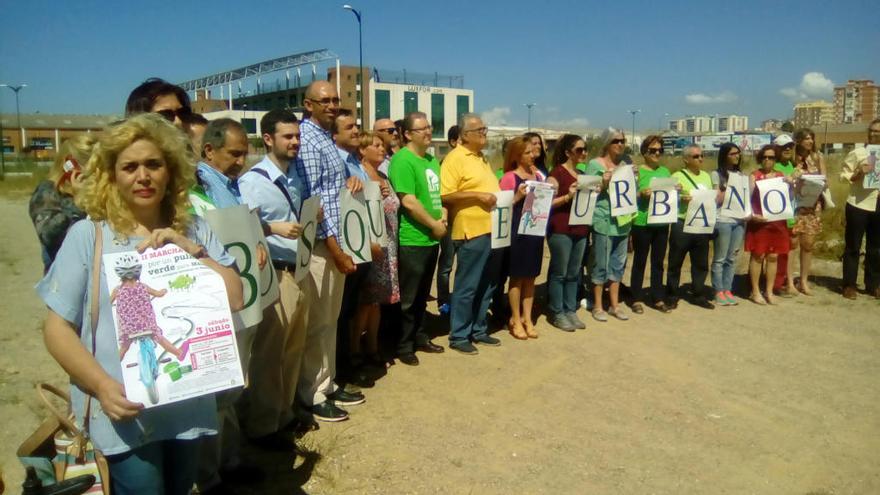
(415, 176)
(324, 175)
(682, 244)
(862, 219)
(387, 131)
(467, 187)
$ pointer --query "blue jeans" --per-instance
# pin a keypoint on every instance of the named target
(566, 254)
(166, 467)
(609, 258)
(728, 242)
(476, 274)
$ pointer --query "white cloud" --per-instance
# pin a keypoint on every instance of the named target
(813, 85)
(565, 124)
(704, 99)
(496, 116)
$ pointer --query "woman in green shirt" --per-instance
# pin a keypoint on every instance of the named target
(610, 234)
(649, 238)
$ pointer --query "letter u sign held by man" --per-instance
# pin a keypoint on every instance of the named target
(622, 191)
(775, 199)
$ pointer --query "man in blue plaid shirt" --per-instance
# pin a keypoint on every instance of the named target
(323, 172)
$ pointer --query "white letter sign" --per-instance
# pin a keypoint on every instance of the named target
(501, 219)
(308, 218)
(663, 206)
(736, 203)
(622, 191)
(584, 203)
(354, 226)
(775, 201)
(700, 216)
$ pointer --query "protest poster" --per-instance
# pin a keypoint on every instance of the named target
(700, 215)
(809, 188)
(376, 212)
(622, 191)
(308, 218)
(663, 205)
(775, 200)
(240, 231)
(583, 206)
(711, 142)
(354, 226)
(736, 203)
(751, 142)
(501, 214)
(536, 208)
(173, 326)
(872, 178)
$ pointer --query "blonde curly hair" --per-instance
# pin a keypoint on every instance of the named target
(99, 196)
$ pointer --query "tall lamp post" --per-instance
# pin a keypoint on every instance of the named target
(634, 112)
(529, 106)
(15, 89)
(360, 77)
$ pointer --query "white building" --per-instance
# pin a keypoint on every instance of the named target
(699, 124)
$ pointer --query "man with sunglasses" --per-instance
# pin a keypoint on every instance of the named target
(159, 96)
(323, 172)
(467, 188)
(387, 131)
(681, 243)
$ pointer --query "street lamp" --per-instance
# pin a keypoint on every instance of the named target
(634, 112)
(360, 76)
(660, 120)
(16, 89)
(529, 106)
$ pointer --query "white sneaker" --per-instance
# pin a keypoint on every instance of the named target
(584, 303)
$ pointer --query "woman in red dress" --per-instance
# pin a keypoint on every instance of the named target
(765, 240)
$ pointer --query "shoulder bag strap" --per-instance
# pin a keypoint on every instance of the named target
(688, 177)
(93, 311)
(282, 187)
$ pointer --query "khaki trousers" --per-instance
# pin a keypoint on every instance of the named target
(325, 298)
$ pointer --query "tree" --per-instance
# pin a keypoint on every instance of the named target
(787, 126)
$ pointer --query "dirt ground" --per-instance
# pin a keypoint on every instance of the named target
(741, 400)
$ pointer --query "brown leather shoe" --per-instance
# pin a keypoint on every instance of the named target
(850, 292)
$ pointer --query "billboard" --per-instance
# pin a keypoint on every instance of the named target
(711, 142)
(674, 144)
(751, 142)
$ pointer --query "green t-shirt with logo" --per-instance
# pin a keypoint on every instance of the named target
(412, 174)
(785, 169)
(645, 176)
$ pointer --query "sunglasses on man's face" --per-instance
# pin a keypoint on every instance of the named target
(169, 115)
(389, 130)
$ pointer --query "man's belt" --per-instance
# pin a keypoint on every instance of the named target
(284, 266)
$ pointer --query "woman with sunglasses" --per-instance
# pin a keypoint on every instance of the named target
(610, 234)
(649, 239)
(159, 96)
(729, 232)
(52, 207)
(764, 240)
(136, 193)
(566, 242)
(807, 222)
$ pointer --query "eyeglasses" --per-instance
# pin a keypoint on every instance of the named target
(480, 130)
(696, 157)
(579, 150)
(389, 130)
(420, 129)
(733, 153)
(618, 141)
(768, 157)
(170, 115)
(655, 151)
(325, 102)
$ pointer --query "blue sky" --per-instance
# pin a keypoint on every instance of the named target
(579, 62)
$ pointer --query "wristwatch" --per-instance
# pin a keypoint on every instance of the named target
(201, 253)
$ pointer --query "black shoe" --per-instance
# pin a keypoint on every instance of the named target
(464, 348)
(243, 474)
(430, 347)
(326, 411)
(302, 424)
(487, 340)
(672, 304)
(409, 359)
(343, 398)
(276, 442)
(561, 322)
(704, 303)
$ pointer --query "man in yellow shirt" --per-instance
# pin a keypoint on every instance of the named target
(467, 187)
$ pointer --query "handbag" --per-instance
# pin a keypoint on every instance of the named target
(58, 449)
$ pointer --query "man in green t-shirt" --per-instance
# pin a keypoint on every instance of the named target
(415, 177)
(785, 166)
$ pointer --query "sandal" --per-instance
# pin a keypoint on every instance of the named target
(661, 307)
(512, 328)
(600, 315)
(530, 331)
(618, 313)
(637, 308)
(759, 300)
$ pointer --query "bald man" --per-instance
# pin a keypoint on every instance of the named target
(324, 175)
